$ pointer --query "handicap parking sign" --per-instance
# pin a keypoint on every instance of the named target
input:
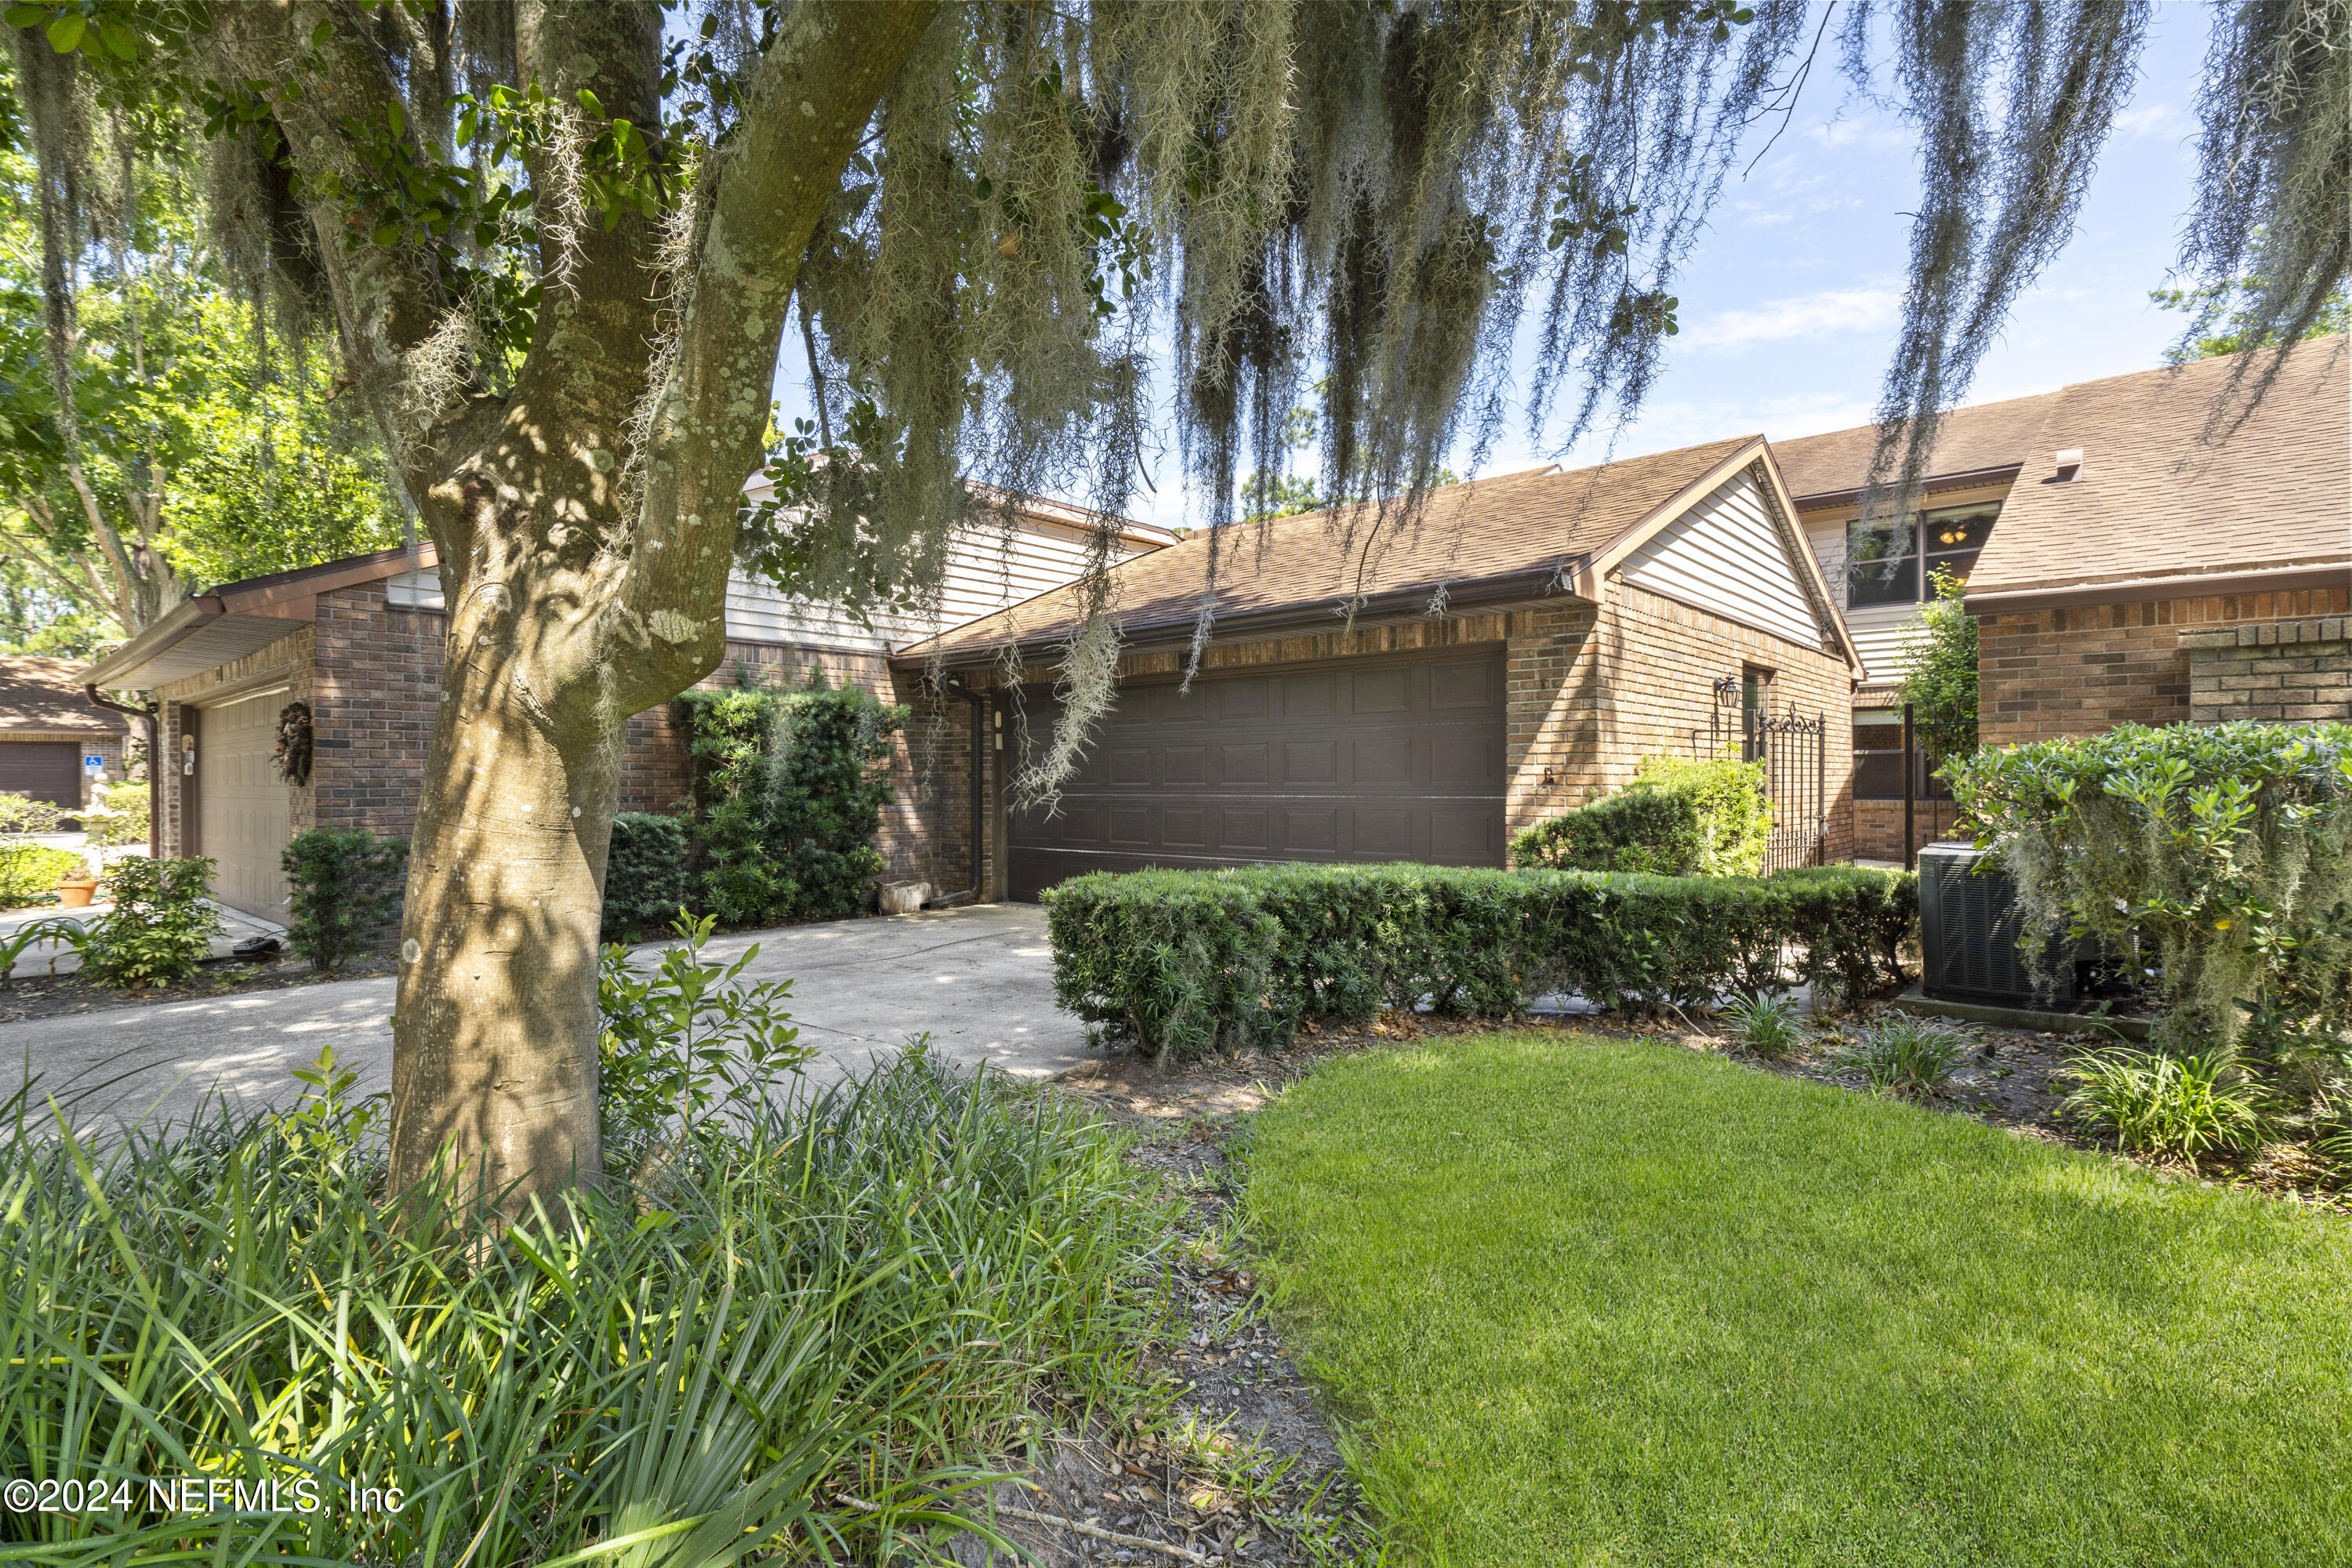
(93, 764)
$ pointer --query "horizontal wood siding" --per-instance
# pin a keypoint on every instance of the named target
(1725, 555)
(1881, 632)
(988, 568)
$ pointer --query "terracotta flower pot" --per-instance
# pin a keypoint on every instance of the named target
(77, 895)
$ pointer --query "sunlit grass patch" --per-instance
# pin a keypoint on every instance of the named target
(1624, 1302)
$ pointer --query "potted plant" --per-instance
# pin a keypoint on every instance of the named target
(78, 887)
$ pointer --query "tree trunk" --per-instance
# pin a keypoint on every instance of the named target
(572, 603)
(494, 1079)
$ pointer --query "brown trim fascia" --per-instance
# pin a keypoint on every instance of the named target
(294, 595)
(1397, 607)
(2157, 589)
(183, 621)
(1970, 478)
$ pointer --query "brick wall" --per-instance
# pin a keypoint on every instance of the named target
(378, 683)
(2079, 671)
(1878, 827)
(2274, 671)
(1595, 690)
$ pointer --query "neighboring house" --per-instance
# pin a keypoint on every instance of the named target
(2098, 582)
(358, 643)
(1374, 696)
(56, 744)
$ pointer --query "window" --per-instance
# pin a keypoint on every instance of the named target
(1754, 703)
(1878, 759)
(1885, 563)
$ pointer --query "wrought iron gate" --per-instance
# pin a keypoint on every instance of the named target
(1794, 752)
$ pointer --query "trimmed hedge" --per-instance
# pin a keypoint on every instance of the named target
(645, 875)
(1677, 818)
(1189, 962)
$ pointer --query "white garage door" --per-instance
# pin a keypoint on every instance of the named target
(242, 809)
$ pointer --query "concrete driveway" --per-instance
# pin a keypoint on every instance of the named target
(979, 979)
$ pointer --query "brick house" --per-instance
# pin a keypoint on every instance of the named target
(1420, 694)
(2150, 578)
(56, 744)
(358, 644)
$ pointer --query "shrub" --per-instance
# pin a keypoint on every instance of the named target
(128, 822)
(2226, 849)
(1676, 818)
(2156, 1104)
(160, 928)
(789, 791)
(869, 1283)
(343, 893)
(1765, 1022)
(1189, 962)
(644, 874)
(22, 814)
(689, 1038)
(1903, 1055)
(30, 872)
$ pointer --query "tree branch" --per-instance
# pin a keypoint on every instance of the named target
(808, 104)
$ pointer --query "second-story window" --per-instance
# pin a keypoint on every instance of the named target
(1894, 562)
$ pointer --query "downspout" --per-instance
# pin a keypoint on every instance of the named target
(154, 769)
(956, 688)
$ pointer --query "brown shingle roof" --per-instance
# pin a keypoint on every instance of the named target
(45, 694)
(2151, 501)
(1968, 441)
(1524, 524)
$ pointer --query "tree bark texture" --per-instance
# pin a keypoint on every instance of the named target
(569, 609)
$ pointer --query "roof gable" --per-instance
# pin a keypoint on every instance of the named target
(1725, 555)
(1512, 537)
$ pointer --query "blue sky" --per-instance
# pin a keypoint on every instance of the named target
(1790, 299)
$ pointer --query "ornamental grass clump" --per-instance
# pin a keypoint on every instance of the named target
(2176, 1107)
(2222, 854)
(862, 1292)
(1903, 1055)
(1765, 1024)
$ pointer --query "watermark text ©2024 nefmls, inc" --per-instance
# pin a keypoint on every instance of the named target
(299, 1493)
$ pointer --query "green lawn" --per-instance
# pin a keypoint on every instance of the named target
(1595, 1303)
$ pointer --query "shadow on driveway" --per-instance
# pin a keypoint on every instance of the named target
(979, 979)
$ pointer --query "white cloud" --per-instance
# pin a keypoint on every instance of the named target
(2154, 120)
(1820, 315)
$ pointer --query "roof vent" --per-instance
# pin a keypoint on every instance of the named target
(2068, 460)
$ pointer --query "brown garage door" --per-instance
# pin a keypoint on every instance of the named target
(1398, 760)
(243, 815)
(44, 769)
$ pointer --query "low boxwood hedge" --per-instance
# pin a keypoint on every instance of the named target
(1189, 962)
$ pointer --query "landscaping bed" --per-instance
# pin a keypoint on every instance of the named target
(1611, 1299)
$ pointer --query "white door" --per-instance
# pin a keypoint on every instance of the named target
(243, 815)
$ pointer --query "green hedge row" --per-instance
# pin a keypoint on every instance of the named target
(1189, 962)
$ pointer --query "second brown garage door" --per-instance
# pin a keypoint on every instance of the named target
(44, 769)
(1398, 760)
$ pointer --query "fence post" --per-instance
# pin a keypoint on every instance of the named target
(1821, 795)
(1910, 787)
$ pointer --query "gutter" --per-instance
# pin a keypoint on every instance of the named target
(183, 621)
(1397, 605)
(154, 771)
(2138, 590)
(1965, 479)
